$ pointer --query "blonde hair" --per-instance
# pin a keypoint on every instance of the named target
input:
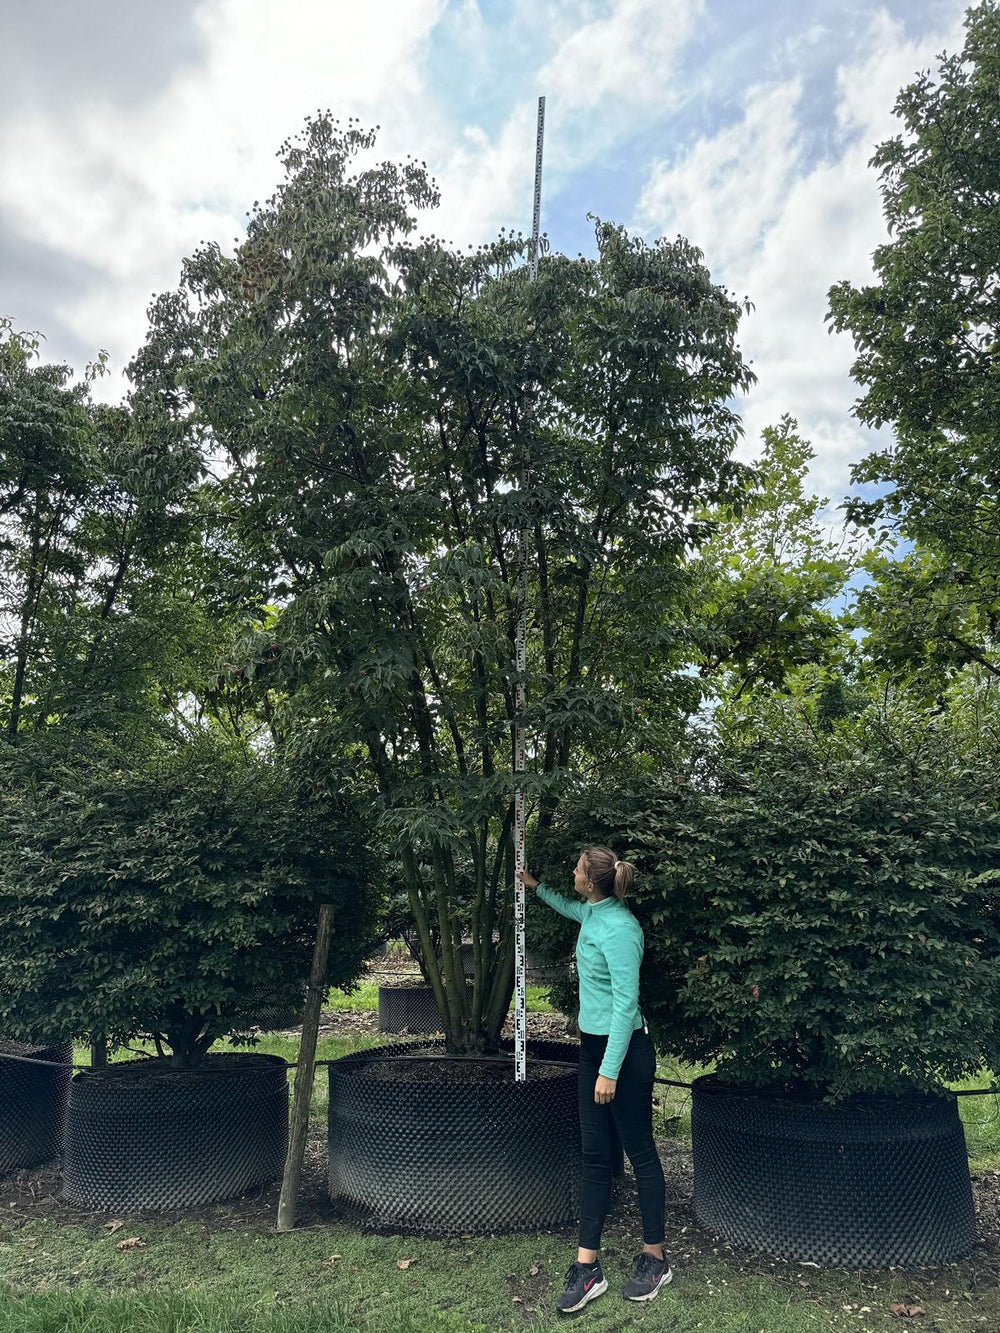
(608, 875)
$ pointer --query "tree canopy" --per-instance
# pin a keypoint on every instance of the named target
(927, 333)
(161, 894)
(376, 399)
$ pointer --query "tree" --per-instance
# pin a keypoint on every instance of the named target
(927, 334)
(99, 515)
(820, 910)
(767, 577)
(376, 398)
(158, 893)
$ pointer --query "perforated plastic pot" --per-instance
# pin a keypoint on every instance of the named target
(409, 1009)
(874, 1181)
(32, 1105)
(428, 1144)
(269, 1009)
(143, 1135)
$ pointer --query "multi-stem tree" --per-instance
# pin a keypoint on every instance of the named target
(376, 397)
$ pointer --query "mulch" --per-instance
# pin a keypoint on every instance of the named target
(437, 1071)
(364, 1022)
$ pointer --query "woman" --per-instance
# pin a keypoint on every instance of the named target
(617, 1064)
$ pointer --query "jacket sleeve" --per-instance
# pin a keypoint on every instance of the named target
(562, 905)
(623, 951)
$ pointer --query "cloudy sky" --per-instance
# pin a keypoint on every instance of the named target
(133, 130)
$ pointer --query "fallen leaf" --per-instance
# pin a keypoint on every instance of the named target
(113, 1226)
(902, 1311)
(405, 1263)
(130, 1243)
(533, 1270)
(516, 1300)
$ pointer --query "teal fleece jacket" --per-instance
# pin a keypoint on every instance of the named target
(608, 953)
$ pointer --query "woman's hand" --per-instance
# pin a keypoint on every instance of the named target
(528, 880)
(604, 1089)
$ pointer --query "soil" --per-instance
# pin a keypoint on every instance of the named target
(406, 981)
(144, 1072)
(393, 965)
(440, 1070)
(383, 971)
(354, 1022)
(30, 1052)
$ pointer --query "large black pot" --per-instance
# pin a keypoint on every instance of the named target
(425, 1143)
(410, 1009)
(32, 1104)
(144, 1135)
(873, 1181)
(269, 1009)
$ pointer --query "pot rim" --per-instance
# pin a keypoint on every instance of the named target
(424, 1049)
(252, 1060)
(712, 1085)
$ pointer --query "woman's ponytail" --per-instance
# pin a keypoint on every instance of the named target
(624, 878)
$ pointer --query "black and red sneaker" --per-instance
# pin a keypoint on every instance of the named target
(648, 1276)
(583, 1283)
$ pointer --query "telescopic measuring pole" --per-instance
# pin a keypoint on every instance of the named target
(520, 968)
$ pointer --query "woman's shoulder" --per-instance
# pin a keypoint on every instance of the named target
(624, 921)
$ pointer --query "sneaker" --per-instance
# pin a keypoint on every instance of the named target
(649, 1276)
(583, 1283)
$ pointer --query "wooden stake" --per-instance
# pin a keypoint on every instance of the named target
(305, 1073)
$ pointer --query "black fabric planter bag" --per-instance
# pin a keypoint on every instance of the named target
(409, 1009)
(160, 1138)
(874, 1181)
(32, 1105)
(432, 1145)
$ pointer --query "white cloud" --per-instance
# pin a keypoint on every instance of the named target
(606, 78)
(126, 191)
(130, 192)
(628, 55)
(727, 192)
(133, 193)
(782, 231)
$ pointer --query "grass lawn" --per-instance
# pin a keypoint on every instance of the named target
(189, 1278)
(229, 1272)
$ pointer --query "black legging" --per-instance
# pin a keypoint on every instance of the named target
(631, 1112)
